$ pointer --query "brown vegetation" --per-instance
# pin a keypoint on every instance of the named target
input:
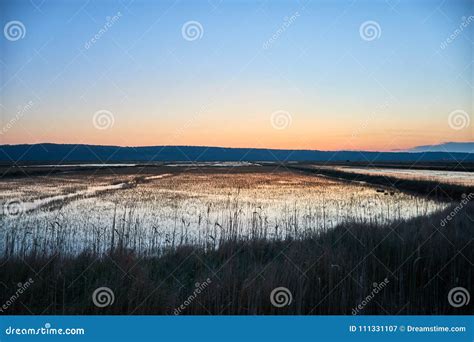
(328, 273)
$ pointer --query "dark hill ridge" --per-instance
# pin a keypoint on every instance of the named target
(101, 154)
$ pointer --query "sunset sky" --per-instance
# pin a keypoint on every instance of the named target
(279, 74)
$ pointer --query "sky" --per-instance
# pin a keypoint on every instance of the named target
(320, 74)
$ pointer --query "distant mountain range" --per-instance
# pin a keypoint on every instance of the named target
(461, 147)
(66, 153)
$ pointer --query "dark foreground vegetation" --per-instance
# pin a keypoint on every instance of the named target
(430, 189)
(333, 272)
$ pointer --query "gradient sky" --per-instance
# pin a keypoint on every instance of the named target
(341, 91)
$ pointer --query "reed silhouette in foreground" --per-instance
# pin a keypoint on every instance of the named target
(333, 272)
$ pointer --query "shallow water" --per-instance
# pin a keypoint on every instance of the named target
(451, 177)
(167, 210)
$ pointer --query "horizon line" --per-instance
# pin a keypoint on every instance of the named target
(256, 148)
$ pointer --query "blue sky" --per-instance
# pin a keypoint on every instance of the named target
(336, 89)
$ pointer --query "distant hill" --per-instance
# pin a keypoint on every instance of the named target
(106, 154)
(461, 147)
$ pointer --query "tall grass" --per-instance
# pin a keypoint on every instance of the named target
(327, 271)
(200, 210)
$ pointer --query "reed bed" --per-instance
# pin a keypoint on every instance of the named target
(330, 272)
(243, 234)
(150, 215)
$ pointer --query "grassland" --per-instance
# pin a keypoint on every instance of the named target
(327, 271)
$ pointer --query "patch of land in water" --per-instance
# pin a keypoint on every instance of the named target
(433, 187)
